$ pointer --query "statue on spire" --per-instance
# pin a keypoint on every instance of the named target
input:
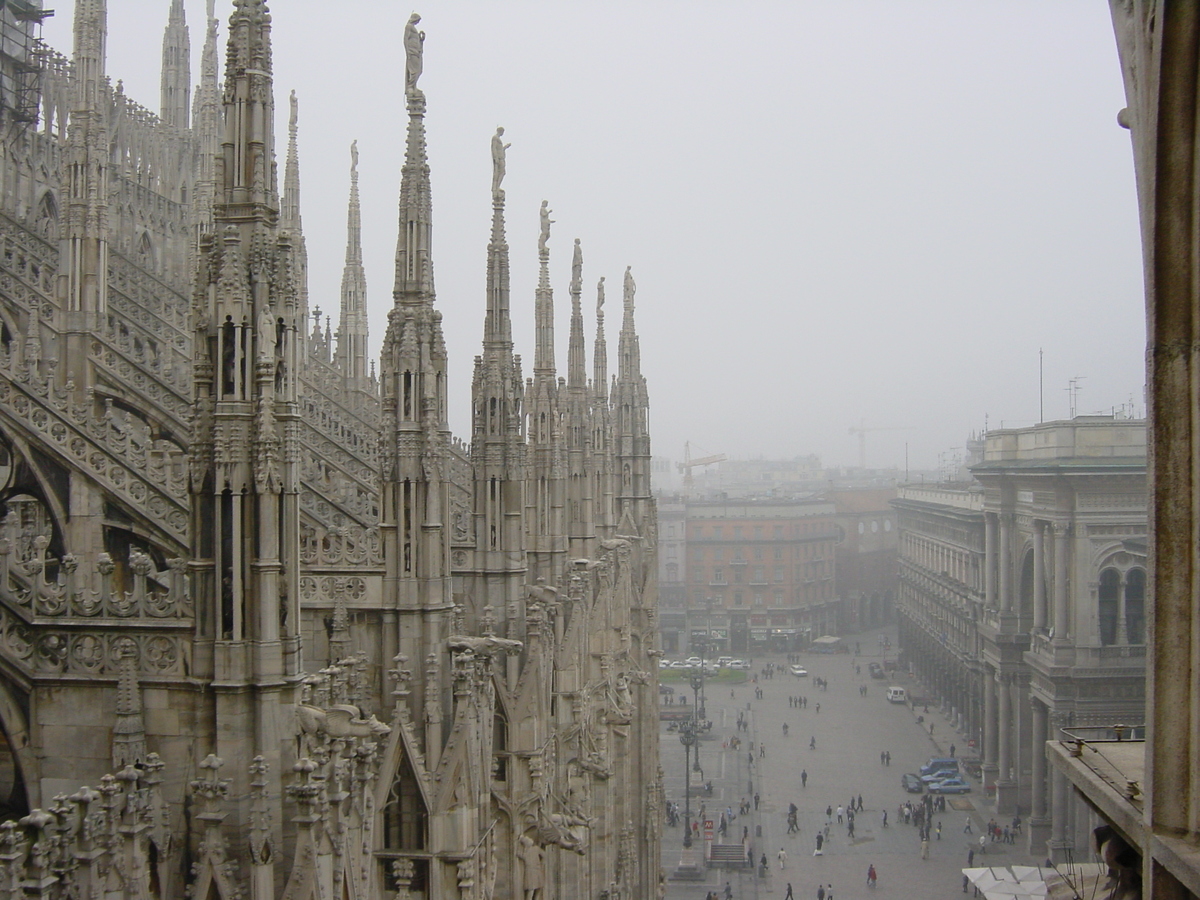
(294, 115)
(498, 150)
(630, 287)
(600, 297)
(546, 221)
(354, 156)
(577, 268)
(414, 50)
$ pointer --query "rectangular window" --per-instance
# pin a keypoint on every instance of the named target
(779, 553)
(737, 599)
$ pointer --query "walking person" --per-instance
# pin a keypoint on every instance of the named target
(871, 876)
(728, 891)
(789, 895)
(820, 892)
(967, 827)
(971, 857)
(782, 855)
(803, 778)
(939, 830)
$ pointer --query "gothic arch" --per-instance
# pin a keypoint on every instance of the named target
(19, 789)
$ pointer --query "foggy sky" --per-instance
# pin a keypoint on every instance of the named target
(869, 212)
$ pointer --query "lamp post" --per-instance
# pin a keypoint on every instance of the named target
(687, 737)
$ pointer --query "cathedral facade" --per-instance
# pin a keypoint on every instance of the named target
(267, 627)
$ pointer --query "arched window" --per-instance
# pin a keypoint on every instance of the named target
(1135, 605)
(1110, 587)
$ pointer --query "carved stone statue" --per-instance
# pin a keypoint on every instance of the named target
(533, 859)
(546, 222)
(577, 268)
(354, 154)
(498, 150)
(630, 287)
(600, 295)
(414, 51)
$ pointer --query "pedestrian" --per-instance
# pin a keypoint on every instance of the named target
(888, 756)
(829, 893)
(750, 855)
(966, 828)
(860, 806)
(939, 830)
(763, 863)
(782, 854)
(828, 812)
(820, 843)
(850, 830)
(970, 857)
(728, 891)
(951, 749)
(821, 892)
(966, 881)
(803, 778)
(756, 804)
(840, 812)
(812, 743)
(871, 876)
(818, 707)
(983, 843)
(885, 818)
(789, 895)
(762, 750)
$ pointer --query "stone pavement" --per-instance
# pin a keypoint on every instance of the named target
(850, 732)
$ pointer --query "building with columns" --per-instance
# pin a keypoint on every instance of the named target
(1049, 632)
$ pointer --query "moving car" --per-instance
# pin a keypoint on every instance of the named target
(740, 664)
(911, 783)
(954, 785)
(666, 689)
(799, 671)
(876, 670)
(897, 695)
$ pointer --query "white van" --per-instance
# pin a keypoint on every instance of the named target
(897, 695)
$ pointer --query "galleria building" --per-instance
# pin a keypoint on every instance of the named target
(266, 627)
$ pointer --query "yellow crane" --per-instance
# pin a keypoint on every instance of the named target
(688, 464)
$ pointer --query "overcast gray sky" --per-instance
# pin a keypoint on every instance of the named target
(836, 213)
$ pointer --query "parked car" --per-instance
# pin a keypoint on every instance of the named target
(876, 670)
(939, 775)
(666, 689)
(954, 785)
(911, 783)
(677, 664)
(940, 763)
(664, 664)
(799, 671)
(740, 664)
(693, 660)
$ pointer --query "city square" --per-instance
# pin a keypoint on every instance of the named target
(851, 730)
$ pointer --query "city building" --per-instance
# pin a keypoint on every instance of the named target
(1050, 632)
(267, 627)
(866, 556)
(761, 574)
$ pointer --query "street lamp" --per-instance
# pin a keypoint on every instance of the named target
(697, 680)
(687, 737)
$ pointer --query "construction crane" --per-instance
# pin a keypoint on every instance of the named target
(688, 464)
(861, 430)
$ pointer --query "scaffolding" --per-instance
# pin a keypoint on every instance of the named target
(21, 54)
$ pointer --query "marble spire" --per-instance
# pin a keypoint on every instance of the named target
(176, 76)
(352, 325)
(289, 213)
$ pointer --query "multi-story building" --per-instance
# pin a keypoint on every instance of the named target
(672, 573)
(941, 595)
(1051, 632)
(866, 555)
(326, 647)
(761, 574)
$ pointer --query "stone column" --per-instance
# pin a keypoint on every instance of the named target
(1039, 824)
(989, 727)
(1062, 617)
(989, 560)
(1122, 630)
(1002, 563)
(1039, 575)
(1059, 848)
(1006, 794)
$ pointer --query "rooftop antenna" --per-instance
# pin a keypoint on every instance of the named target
(1041, 386)
(1073, 389)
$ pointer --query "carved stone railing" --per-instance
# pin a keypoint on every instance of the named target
(347, 547)
(42, 586)
(161, 311)
(119, 458)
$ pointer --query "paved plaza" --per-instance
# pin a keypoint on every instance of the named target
(850, 731)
